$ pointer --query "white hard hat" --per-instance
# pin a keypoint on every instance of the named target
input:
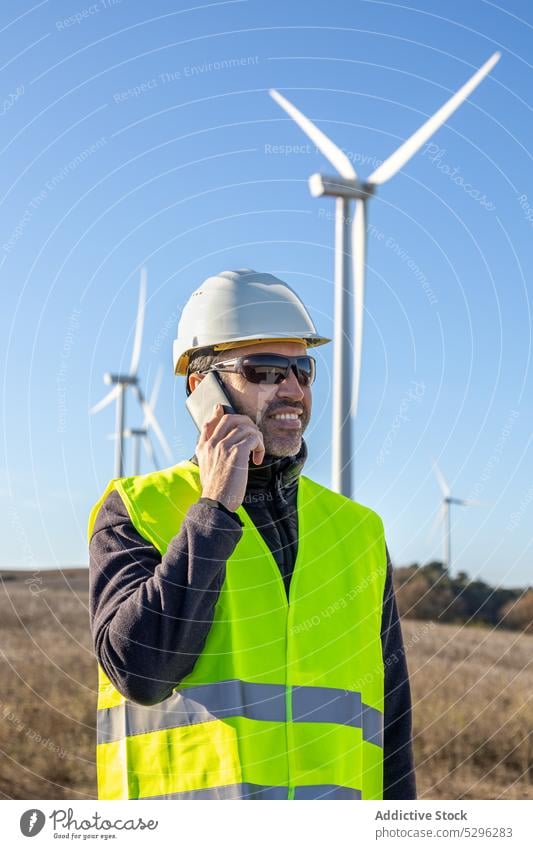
(242, 306)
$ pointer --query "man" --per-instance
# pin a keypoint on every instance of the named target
(243, 615)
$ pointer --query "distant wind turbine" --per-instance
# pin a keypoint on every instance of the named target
(142, 434)
(444, 514)
(121, 382)
(345, 188)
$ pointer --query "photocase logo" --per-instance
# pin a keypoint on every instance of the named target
(31, 822)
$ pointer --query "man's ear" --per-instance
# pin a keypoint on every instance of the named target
(194, 380)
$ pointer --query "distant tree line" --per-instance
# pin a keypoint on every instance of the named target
(429, 592)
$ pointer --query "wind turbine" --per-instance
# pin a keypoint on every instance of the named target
(444, 514)
(142, 434)
(121, 382)
(350, 243)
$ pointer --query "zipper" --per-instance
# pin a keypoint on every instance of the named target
(284, 537)
(290, 609)
(288, 724)
(279, 497)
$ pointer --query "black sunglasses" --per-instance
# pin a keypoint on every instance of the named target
(270, 368)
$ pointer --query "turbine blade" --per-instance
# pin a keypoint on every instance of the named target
(333, 154)
(149, 448)
(358, 259)
(473, 502)
(444, 488)
(155, 393)
(439, 518)
(154, 424)
(139, 324)
(107, 399)
(402, 155)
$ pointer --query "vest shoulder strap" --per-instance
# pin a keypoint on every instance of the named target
(343, 506)
(155, 501)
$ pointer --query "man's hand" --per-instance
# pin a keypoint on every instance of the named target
(223, 453)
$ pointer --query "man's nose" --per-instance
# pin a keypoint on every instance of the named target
(290, 387)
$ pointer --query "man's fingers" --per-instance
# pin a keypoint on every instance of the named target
(251, 441)
(230, 422)
(221, 423)
(258, 455)
(233, 429)
(209, 425)
(238, 435)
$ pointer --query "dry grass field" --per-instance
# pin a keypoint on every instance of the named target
(472, 691)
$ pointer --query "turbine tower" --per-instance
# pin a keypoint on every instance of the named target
(350, 250)
(444, 514)
(121, 382)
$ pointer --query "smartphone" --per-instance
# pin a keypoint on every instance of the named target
(200, 402)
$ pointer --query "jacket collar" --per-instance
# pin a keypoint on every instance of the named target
(274, 471)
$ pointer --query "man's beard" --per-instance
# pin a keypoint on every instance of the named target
(277, 444)
(282, 444)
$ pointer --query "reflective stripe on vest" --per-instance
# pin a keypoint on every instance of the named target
(256, 792)
(286, 698)
(265, 702)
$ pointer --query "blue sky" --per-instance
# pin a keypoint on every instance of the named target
(144, 135)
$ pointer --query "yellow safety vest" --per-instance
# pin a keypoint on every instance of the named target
(286, 699)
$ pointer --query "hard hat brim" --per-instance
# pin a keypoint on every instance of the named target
(182, 358)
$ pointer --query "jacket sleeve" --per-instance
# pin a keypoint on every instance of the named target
(150, 615)
(399, 780)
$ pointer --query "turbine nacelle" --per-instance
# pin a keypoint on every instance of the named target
(125, 379)
(128, 432)
(335, 186)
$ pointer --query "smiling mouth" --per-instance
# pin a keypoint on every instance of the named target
(293, 421)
